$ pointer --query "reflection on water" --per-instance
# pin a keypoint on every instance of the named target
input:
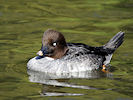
(86, 74)
(59, 94)
(54, 80)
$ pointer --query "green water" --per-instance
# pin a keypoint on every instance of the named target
(93, 22)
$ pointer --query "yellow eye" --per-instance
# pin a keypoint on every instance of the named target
(54, 44)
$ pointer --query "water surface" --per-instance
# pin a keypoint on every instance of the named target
(92, 22)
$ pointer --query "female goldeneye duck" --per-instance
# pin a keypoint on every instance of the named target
(57, 56)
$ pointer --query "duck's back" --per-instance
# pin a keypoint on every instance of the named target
(79, 52)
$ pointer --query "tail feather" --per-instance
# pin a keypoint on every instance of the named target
(115, 42)
(112, 45)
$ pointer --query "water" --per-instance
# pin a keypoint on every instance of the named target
(22, 24)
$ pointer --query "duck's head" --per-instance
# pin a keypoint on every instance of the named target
(53, 45)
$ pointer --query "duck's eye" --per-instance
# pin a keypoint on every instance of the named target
(54, 44)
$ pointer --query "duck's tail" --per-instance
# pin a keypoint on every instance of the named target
(115, 42)
(112, 45)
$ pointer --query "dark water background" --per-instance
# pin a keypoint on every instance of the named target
(93, 22)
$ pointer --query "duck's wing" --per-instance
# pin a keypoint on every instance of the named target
(106, 54)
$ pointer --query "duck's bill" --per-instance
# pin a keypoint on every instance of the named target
(40, 53)
(45, 52)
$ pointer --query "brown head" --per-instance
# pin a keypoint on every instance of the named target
(53, 44)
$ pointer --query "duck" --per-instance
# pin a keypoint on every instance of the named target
(58, 56)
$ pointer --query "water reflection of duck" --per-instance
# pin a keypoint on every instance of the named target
(57, 56)
(51, 81)
(40, 77)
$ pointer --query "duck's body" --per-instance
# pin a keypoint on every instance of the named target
(77, 57)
